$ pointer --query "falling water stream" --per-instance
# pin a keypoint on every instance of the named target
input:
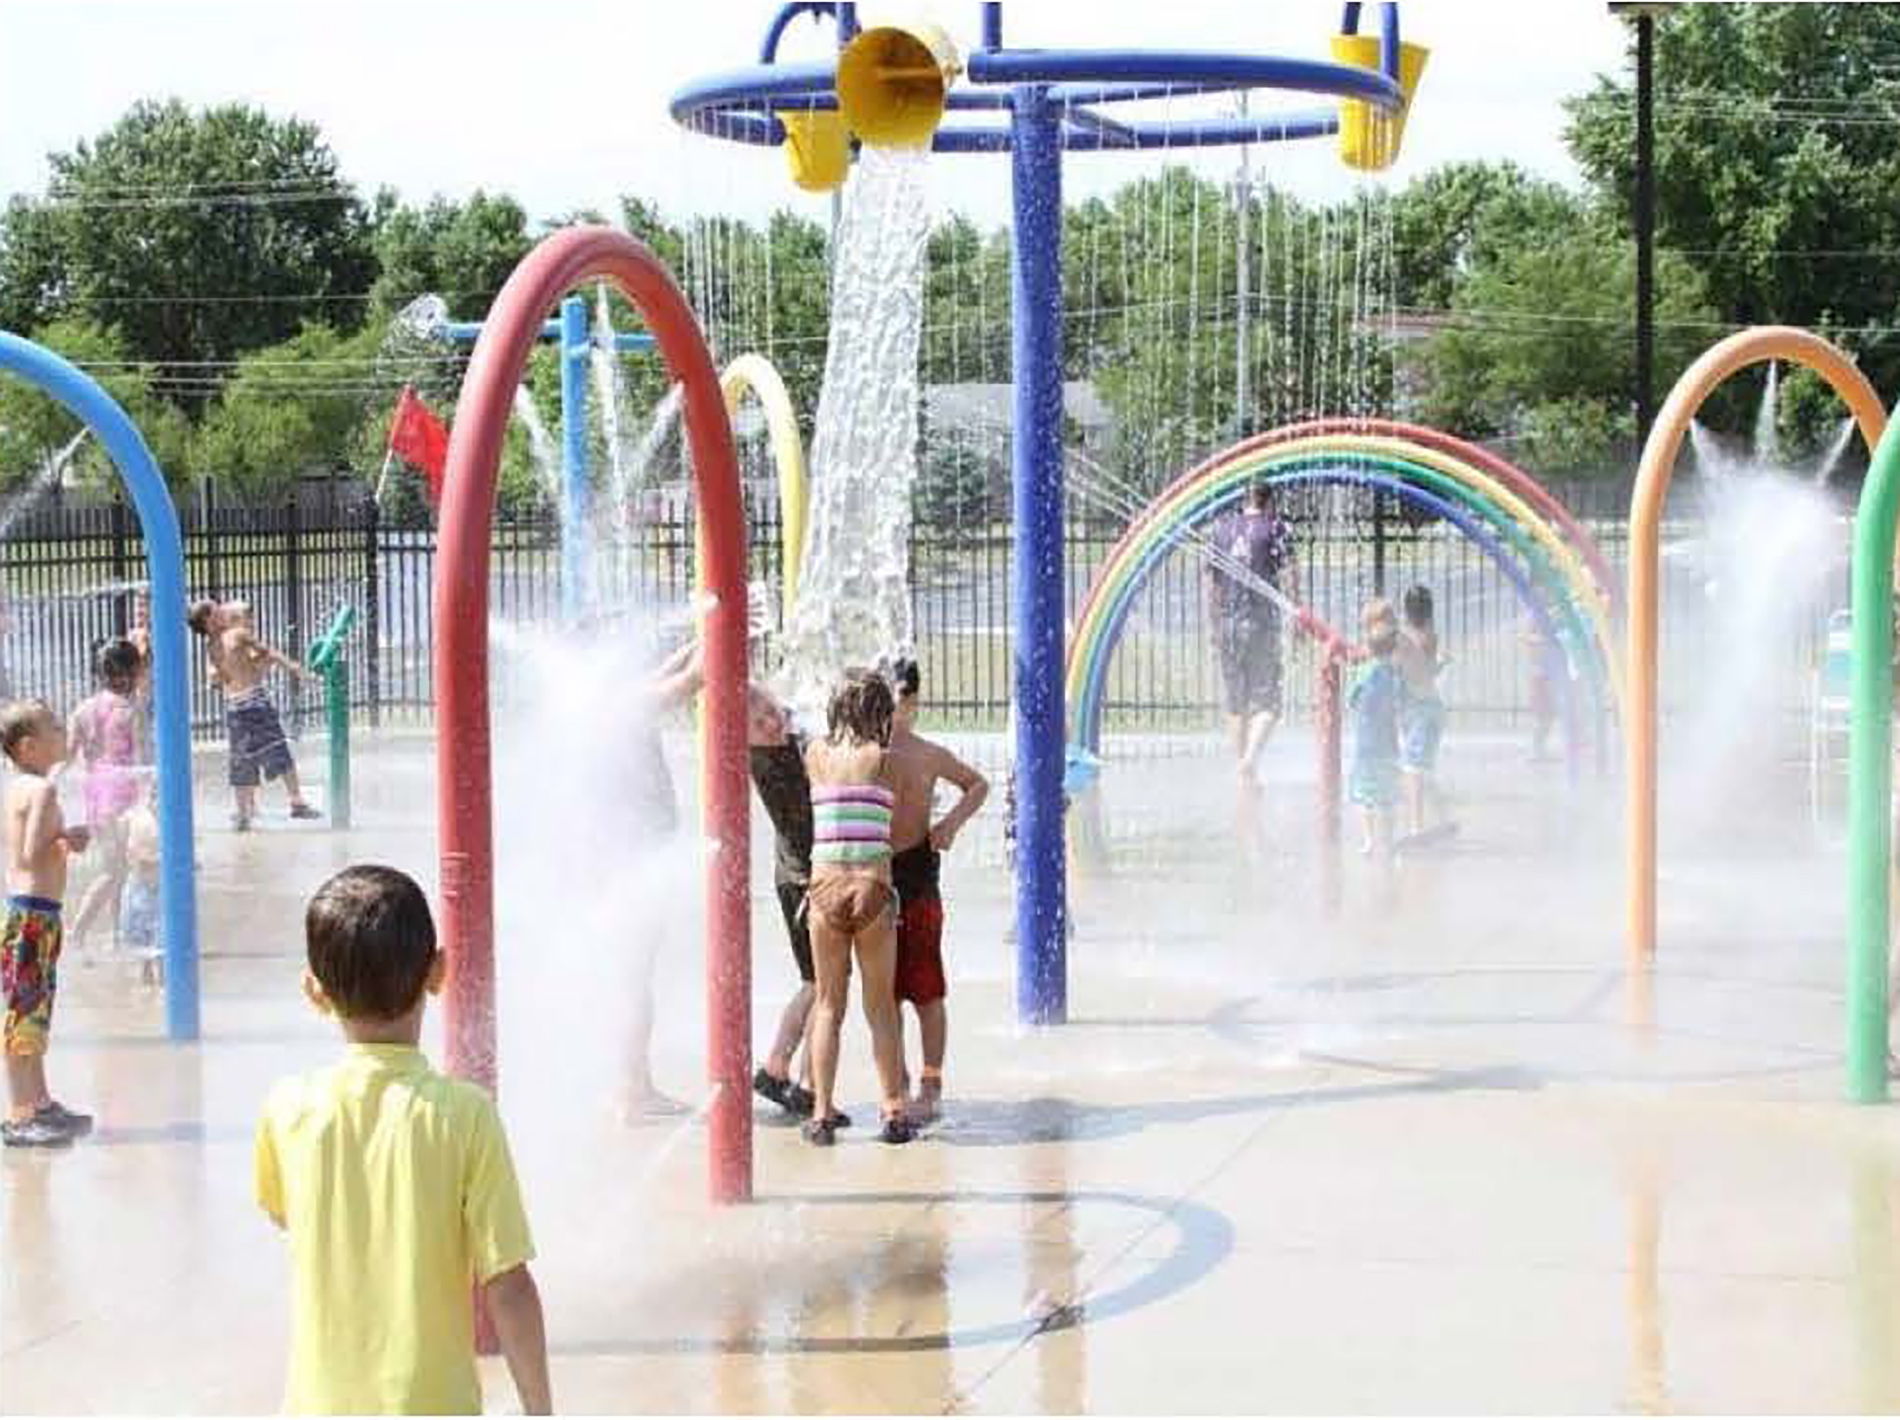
(854, 598)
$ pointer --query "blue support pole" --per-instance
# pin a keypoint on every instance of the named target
(165, 568)
(576, 527)
(1042, 985)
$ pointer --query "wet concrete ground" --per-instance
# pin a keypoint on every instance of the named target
(1392, 1159)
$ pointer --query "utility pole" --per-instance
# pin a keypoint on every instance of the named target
(1645, 215)
(1243, 313)
(1643, 208)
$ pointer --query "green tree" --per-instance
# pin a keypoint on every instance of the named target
(462, 251)
(196, 235)
(35, 430)
(1540, 348)
(1461, 216)
(1775, 162)
(291, 409)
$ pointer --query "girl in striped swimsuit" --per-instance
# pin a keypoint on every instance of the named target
(850, 904)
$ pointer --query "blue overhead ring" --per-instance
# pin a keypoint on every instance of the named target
(741, 105)
(82, 397)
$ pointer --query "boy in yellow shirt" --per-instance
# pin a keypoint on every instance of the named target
(393, 1183)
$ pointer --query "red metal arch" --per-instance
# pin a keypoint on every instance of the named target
(464, 789)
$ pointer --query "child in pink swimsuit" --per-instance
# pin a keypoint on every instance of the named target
(104, 739)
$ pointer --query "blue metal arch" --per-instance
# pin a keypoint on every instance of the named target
(82, 396)
(1088, 713)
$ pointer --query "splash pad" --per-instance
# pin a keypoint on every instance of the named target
(894, 87)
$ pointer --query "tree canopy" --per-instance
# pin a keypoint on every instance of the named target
(221, 273)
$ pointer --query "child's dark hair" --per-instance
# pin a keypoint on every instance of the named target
(1418, 606)
(862, 707)
(198, 618)
(370, 941)
(20, 720)
(906, 678)
(117, 663)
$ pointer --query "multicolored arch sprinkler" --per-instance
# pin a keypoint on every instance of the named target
(900, 86)
(1564, 581)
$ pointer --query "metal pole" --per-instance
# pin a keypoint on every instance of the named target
(1870, 775)
(1644, 217)
(1329, 716)
(336, 704)
(1036, 462)
(575, 530)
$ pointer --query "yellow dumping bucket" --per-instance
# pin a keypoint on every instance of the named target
(892, 82)
(1369, 135)
(817, 148)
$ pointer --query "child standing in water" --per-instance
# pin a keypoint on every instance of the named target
(919, 764)
(1421, 710)
(392, 1183)
(850, 905)
(138, 899)
(104, 739)
(38, 844)
(259, 750)
(776, 758)
(1374, 707)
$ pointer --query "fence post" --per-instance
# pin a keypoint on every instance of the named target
(214, 573)
(373, 607)
(120, 574)
(293, 606)
(1378, 542)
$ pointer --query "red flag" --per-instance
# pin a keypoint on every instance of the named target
(417, 437)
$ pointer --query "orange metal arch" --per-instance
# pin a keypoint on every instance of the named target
(1717, 363)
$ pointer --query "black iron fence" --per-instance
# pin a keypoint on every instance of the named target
(73, 574)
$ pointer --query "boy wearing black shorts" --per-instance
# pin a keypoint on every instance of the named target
(777, 762)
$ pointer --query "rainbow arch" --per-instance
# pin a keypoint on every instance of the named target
(1559, 571)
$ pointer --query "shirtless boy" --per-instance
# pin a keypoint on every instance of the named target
(38, 843)
(259, 750)
(917, 764)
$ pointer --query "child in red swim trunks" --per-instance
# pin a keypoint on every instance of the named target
(917, 764)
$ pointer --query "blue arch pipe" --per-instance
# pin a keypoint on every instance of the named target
(1089, 711)
(1051, 97)
(571, 333)
(165, 568)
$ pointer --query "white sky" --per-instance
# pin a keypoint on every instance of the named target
(563, 102)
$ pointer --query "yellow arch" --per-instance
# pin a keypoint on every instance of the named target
(756, 373)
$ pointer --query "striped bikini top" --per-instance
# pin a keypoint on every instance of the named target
(851, 823)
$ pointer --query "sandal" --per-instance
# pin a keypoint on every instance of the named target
(778, 1091)
(896, 1130)
(302, 810)
(821, 1132)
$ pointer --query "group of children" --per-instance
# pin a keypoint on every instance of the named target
(1398, 719)
(107, 744)
(857, 869)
